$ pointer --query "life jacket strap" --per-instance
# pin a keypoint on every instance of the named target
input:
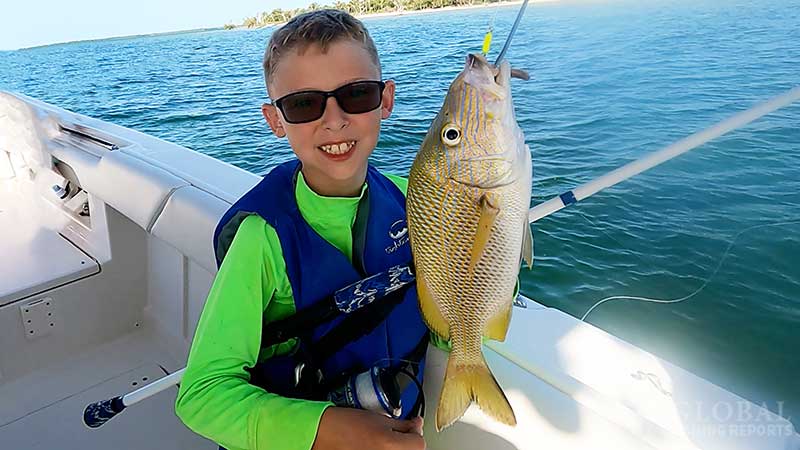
(354, 326)
(346, 300)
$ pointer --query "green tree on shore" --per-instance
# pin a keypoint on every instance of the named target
(356, 7)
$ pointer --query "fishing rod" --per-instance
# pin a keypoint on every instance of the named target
(101, 412)
(661, 156)
(511, 33)
(379, 285)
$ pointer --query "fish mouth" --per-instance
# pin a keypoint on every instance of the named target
(481, 74)
(478, 62)
(487, 72)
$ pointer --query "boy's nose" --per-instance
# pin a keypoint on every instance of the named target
(334, 118)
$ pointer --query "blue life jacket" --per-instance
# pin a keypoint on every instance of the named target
(316, 269)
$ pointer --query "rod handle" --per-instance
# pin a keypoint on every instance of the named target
(101, 412)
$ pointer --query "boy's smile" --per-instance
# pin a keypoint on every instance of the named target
(337, 150)
(334, 148)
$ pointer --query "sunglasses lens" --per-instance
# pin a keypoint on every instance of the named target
(302, 107)
(353, 98)
(359, 97)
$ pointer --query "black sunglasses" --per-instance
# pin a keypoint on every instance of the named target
(354, 98)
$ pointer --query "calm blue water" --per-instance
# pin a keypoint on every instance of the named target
(611, 82)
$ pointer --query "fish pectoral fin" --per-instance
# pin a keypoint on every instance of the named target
(527, 245)
(430, 309)
(497, 326)
(489, 210)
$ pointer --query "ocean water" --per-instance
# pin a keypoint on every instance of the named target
(611, 82)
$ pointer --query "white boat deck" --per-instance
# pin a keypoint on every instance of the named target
(57, 371)
(44, 410)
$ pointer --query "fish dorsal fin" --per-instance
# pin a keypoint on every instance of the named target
(527, 245)
(488, 209)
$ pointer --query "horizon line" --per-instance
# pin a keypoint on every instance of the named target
(112, 38)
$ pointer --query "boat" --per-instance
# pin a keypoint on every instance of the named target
(107, 263)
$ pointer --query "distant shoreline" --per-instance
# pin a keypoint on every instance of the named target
(450, 8)
(416, 11)
(499, 4)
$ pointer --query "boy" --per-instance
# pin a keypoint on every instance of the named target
(312, 226)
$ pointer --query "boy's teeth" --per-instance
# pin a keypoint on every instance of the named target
(337, 149)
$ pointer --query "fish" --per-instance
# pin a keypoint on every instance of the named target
(469, 190)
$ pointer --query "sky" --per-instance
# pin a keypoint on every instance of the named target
(26, 23)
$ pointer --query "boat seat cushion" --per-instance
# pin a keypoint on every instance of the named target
(133, 187)
(187, 223)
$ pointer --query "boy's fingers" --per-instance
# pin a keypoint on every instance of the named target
(405, 426)
(418, 424)
(401, 426)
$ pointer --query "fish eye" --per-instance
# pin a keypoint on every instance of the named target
(451, 135)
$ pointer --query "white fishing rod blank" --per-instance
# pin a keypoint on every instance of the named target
(511, 33)
(101, 412)
(648, 162)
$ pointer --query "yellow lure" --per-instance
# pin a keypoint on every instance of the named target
(487, 42)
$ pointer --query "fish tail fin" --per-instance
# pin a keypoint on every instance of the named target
(464, 384)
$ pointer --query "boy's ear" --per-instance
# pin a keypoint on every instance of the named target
(387, 102)
(272, 116)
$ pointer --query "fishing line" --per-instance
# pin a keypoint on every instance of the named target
(698, 290)
(511, 33)
(487, 38)
(420, 392)
(391, 360)
(407, 373)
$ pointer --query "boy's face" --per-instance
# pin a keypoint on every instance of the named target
(329, 172)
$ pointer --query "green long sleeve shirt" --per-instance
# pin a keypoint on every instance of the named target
(215, 398)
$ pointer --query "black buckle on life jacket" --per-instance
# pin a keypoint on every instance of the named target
(298, 373)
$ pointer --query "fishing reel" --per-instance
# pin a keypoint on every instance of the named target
(378, 389)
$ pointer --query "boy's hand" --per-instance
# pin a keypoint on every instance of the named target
(348, 428)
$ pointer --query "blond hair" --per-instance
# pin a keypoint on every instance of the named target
(321, 27)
